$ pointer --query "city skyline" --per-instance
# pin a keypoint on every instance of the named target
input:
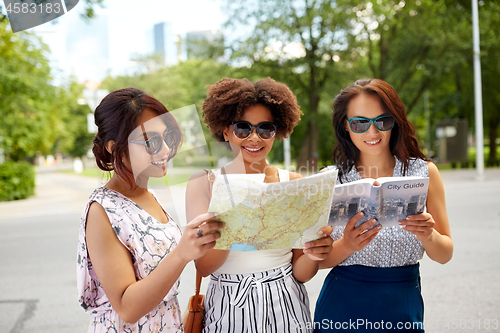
(128, 26)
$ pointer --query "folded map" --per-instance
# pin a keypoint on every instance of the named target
(263, 216)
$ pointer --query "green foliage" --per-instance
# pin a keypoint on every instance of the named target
(201, 48)
(74, 137)
(416, 46)
(17, 180)
(302, 44)
(176, 86)
(29, 118)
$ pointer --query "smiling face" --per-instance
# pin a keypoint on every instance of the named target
(150, 126)
(373, 141)
(253, 149)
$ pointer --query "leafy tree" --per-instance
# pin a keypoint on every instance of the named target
(74, 137)
(175, 86)
(489, 20)
(199, 47)
(423, 45)
(29, 120)
(302, 43)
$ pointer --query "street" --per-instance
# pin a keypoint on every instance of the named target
(39, 236)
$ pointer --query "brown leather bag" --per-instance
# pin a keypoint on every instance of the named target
(193, 318)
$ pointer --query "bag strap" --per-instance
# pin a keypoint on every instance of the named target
(197, 290)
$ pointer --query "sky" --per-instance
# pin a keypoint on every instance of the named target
(128, 22)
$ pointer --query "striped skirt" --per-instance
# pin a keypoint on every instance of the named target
(266, 302)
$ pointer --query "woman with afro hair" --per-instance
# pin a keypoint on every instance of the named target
(255, 291)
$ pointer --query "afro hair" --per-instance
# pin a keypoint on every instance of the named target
(227, 100)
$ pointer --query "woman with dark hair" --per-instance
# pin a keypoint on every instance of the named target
(256, 291)
(375, 279)
(131, 252)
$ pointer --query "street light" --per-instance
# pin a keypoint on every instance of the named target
(478, 96)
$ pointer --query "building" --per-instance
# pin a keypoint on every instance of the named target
(163, 43)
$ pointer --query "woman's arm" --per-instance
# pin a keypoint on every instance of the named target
(112, 262)
(197, 201)
(432, 228)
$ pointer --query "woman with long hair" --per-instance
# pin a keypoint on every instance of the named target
(375, 278)
(131, 252)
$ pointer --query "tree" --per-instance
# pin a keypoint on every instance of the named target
(423, 45)
(74, 137)
(490, 69)
(301, 43)
(28, 117)
(410, 44)
(175, 86)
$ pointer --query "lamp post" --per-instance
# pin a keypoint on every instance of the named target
(478, 97)
(286, 153)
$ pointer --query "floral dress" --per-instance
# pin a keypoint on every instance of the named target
(148, 242)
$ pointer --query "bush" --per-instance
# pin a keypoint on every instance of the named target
(17, 180)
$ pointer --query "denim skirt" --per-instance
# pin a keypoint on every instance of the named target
(370, 299)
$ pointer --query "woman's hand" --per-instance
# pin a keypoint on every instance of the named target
(320, 249)
(356, 238)
(421, 225)
(199, 236)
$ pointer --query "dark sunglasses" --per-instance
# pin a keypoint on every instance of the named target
(362, 124)
(243, 129)
(154, 143)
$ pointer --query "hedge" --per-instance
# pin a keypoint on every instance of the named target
(17, 180)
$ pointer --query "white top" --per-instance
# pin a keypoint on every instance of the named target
(148, 242)
(239, 262)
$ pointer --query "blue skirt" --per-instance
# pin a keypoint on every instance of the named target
(370, 299)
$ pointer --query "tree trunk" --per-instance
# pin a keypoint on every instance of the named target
(309, 153)
(493, 158)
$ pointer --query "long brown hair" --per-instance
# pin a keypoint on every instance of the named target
(403, 143)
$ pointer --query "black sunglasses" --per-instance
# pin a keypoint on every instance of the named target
(362, 124)
(154, 143)
(243, 129)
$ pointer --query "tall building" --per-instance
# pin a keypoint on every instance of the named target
(413, 205)
(353, 207)
(164, 43)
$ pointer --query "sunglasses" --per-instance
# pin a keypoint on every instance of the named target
(154, 143)
(243, 129)
(362, 124)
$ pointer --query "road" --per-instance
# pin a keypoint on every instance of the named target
(38, 240)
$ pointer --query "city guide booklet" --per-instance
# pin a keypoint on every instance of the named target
(264, 216)
(393, 200)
